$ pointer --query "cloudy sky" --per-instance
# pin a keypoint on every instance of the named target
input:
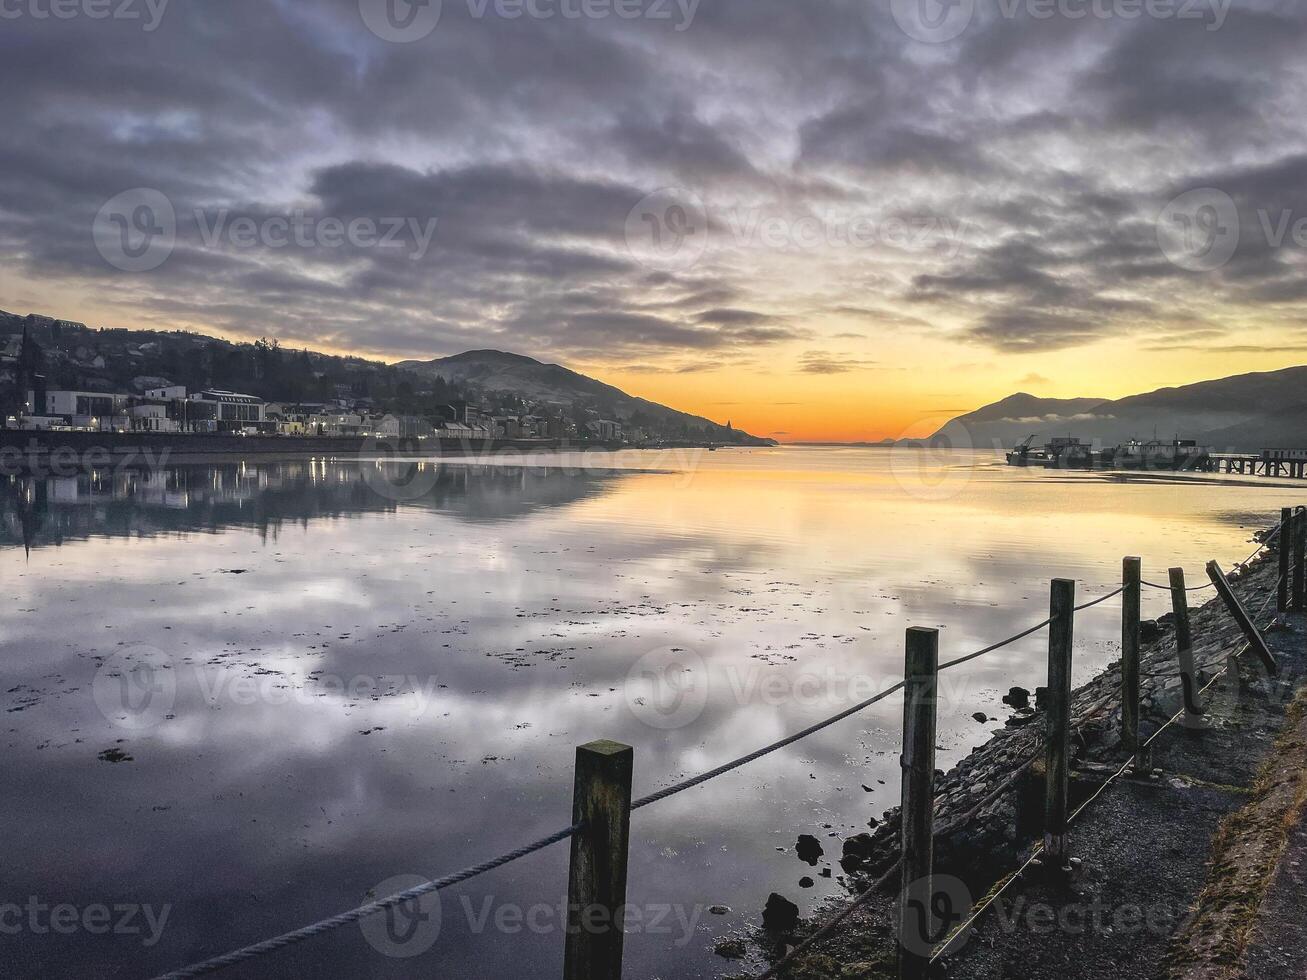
(821, 219)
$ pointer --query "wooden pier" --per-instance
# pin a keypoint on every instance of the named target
(1291, 463)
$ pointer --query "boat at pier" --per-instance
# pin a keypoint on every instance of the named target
(1068, 452)
(1156, 454)
(1062, 452)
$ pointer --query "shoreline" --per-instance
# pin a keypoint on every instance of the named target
(989, 804)
(26, 450)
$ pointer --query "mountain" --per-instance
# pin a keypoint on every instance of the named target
(1243, 413)
(1024, 406)
(503, 373)
(500, 371)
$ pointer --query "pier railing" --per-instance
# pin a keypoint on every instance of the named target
(602, 800)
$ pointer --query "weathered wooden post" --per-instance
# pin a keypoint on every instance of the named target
(1287, 534)
(1300, 562)
(916, 915)
(1057, 791)
(1184, 645)
(596, 888)
(1131, 573)
(1255, 639)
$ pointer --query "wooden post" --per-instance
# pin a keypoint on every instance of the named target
(1255, 639)
(1184, 645)
(596, 888)
(1286, 552)
(916, 908)
(1057, 791)
(1300, 562)
(1131, 573)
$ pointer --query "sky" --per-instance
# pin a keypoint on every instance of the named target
(827, 219)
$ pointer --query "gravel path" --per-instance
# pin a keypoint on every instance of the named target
(1279, 948)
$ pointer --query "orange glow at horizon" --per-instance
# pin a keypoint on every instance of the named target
(885, 385)
(869, 405)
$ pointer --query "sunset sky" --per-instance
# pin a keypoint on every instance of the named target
(818, 220)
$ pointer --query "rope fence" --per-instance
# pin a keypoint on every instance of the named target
(600, 831)
(1167, 588)
(1038, 852)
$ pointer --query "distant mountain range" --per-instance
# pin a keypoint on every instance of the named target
(1244, 413)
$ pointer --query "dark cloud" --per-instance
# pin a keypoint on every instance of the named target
(1054, 144)
(725, 317)
(821, 362)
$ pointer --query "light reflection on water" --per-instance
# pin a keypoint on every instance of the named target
(488, 627)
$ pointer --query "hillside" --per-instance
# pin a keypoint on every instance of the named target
(1243, 413)
(495, 370)
(82, 358)
(500, 372)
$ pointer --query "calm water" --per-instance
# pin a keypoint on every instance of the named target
(359, 676)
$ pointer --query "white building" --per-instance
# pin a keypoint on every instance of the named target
(80, 409)
(152, 418)
(215, 410)
(170, 393)
(606, 429)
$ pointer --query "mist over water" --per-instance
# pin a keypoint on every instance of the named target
(357, 682)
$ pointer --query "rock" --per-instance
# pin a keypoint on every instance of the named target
(860, 846)
(809, 849)
(806, 882)
(851, 864)
(1021, 717)
(981, 717)
(780, 915)
(1151, 629)
(730, 949)
(719, 910)
(1018, 697)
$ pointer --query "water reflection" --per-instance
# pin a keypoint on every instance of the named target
(50, 510)
(501, 616)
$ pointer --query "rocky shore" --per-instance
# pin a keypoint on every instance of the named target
(989, 806)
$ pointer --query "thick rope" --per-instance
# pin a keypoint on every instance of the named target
(1267, 540)
(363, 911)
(663, 794)
(1102, 598)
(1190, 588)
(1239, 564)
(996, 646)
